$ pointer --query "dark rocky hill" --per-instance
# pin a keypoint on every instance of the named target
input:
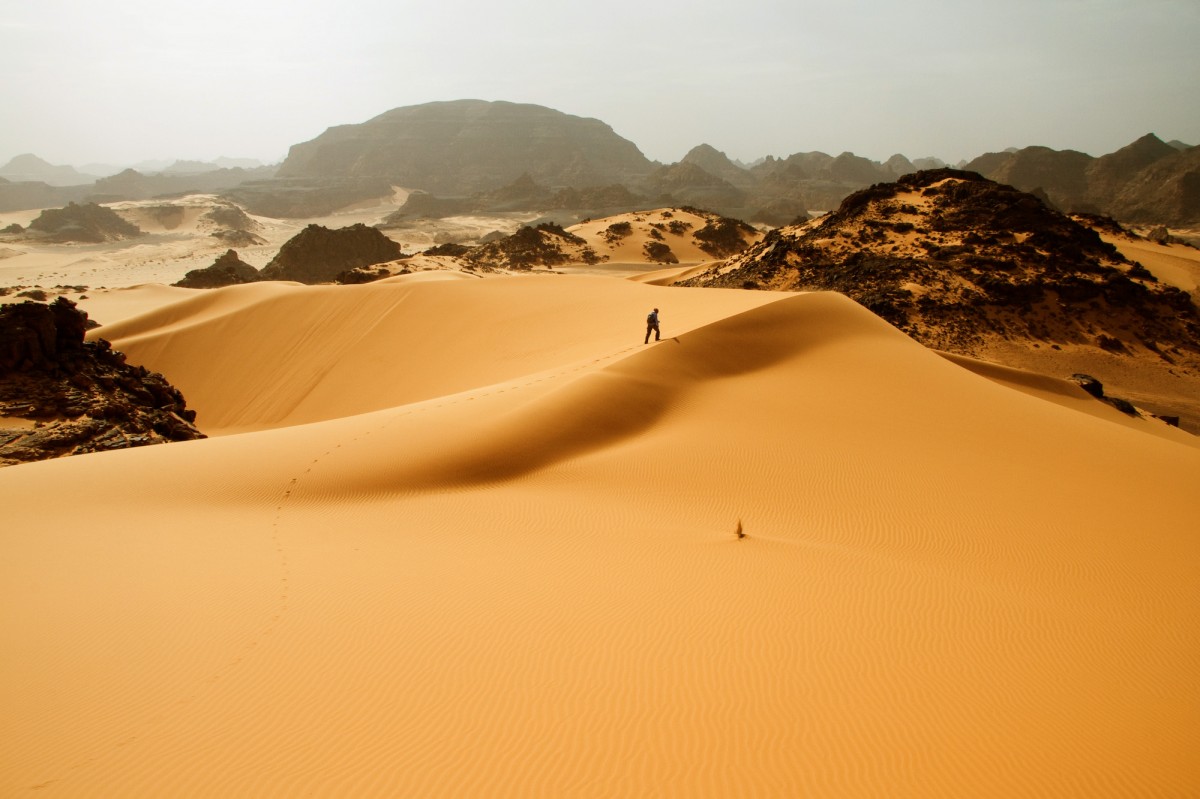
(957, 260)
(61, 395)
(227, 270)
(87, 223)
(465, 146)
(318, 254)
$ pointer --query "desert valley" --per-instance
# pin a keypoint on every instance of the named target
(353, 475)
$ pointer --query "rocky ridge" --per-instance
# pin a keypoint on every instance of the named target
(1148, 180)
(61, 395)
(957, 260)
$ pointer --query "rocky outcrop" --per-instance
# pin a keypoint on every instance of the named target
(465, 146)
(318, 254)
(87, 223)
(957, 260)
(61, 395)
(228, 270)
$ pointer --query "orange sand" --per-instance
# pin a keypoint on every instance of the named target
(471, 537)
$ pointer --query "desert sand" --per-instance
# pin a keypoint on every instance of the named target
(454, 536)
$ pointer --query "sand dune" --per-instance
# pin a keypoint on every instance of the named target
(474, 538)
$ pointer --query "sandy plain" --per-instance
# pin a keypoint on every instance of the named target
(458, 536)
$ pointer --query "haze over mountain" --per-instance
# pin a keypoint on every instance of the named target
(28, 167)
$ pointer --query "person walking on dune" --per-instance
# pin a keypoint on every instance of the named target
(652, 326)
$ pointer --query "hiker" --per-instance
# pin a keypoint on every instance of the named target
(652, 326)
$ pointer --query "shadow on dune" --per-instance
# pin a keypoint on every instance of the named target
(617, 403)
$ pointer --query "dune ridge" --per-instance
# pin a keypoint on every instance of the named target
(515, 571)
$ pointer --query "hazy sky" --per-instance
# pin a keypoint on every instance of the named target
(121, 81)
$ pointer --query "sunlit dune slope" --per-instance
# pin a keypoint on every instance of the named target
(269, 355)
(533, 586)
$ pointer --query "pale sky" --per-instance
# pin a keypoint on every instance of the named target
(121, 81)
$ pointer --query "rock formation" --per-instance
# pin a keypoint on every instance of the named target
(61, 395)
(228, 270)
(318, 254)
(466, 146)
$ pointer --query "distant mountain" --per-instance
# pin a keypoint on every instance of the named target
(1146, 181)
(1109, 174)
(29, 167)
(1061, 174)
(466, 146)
(189, 167)
(686, 183)
(18, 196)
(196, 167)
(235, 163)
(1166, 192)
(715, 162)
(134, 185)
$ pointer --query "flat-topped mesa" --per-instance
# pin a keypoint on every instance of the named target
(465, 146)
(62, 395)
